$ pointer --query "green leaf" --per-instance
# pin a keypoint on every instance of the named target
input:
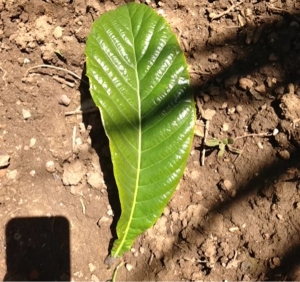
(212, 142)
(139, 80)
(221, 150)
(230, 141)
(225, 141)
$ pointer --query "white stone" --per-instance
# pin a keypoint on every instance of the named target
(92, 267)
(26, 114)
(129, 266)
(50, 166)
(32, 142)
(57, 33)
(4, 160)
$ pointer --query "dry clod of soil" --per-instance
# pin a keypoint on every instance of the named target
(95, 179)
(290, 105)
(4, 160)
(73, 172)
(264, 121)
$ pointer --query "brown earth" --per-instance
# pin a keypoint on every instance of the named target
(234, 218)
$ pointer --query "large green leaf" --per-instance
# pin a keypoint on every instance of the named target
(139, 80)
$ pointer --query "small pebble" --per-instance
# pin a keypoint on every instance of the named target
(94, 278)
(224, 105)
(82, 128)
(279, 216)
(271, 81)
(92, 267)
(129, 267)
(57, 33)
(275, 131)
(78, 141)
(166, 211)
(261, 88)
(103, 220)
(233, 229)
(26, 61)
(285, 154)
(206, 98)
(231, 111)
(239, 108)
(274, 262)
(32, 173)
(26, 114)
(245, 83)
(142, 250)
(110, 213)
(4, 160)
(64, 100)
(225, 126)
(260, 145)
(291, 88)
(227, 184)
(32, 142)
(50, 166)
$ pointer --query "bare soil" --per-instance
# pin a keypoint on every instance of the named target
(234, 218)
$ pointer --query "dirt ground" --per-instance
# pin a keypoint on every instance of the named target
(236, 217)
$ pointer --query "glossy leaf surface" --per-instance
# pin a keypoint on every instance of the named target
(139, 80)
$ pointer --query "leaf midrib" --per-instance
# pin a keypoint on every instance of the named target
(139, 144)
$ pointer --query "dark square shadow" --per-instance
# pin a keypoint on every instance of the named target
(38, 249)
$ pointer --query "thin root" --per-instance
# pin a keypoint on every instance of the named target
(226, 11)
(82, 205)
(4, 76)
(56, 68)
(79, 112)
(264, 134)
(276, 9)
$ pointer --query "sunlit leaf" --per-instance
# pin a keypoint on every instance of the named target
(139, 80)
